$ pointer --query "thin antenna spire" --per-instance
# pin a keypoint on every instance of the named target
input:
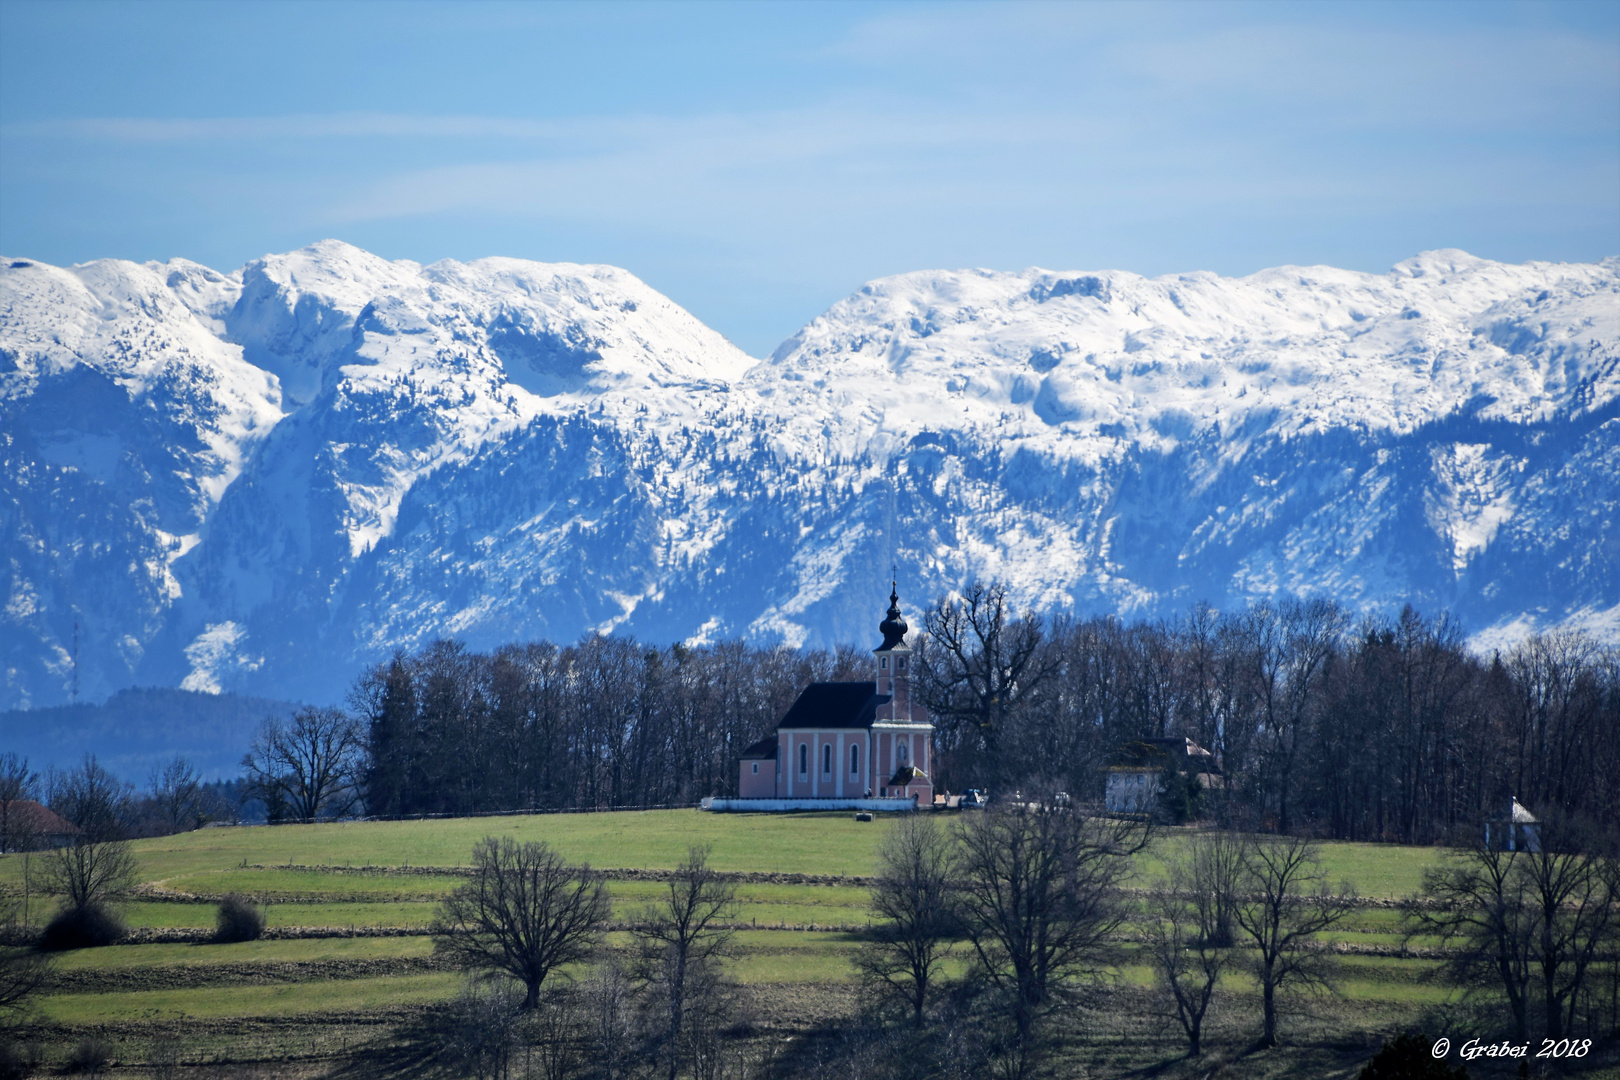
(889, 519)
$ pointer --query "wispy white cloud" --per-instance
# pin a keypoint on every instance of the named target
(1186, 60)
(310, 126)
(776, 170)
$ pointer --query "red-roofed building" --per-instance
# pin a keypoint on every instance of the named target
(25, 825)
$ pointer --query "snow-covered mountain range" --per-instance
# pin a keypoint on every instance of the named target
(261, 481)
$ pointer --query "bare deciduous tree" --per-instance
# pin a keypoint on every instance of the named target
(1286, 901)
(94, 799)
(482, 1030)
(308, 765)
(711, 1006)
(911, 896)
(1288, 646)
(681, 940)
(1573, 904)
(1527, 924)
(1217, 868)
(978, 665)
(1188, 942)
(554, 1030)
(90, 872)
(16, 784)
(87, 875)
(609, 1021)
(1480, 905)
(1038, 898)
(177, 792)
(525, 912)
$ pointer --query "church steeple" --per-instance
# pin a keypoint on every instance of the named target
(894, 660)
(893, 627)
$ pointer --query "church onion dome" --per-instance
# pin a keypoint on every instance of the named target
(893, 627)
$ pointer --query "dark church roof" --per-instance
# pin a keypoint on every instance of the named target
(835, 705)
(763, 750)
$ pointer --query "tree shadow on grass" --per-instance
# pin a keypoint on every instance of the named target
(415, 1049)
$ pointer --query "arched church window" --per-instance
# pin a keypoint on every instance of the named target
(826, 759)
(901, 663)
(900, 751)
(804, 759)
(854, 760)
(884, 663)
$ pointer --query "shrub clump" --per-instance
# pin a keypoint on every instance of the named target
(20, 1060)
(238, 919)
(86, 927)
(90, 1056)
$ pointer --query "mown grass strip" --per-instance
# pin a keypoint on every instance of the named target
(283, 999)
(115, 957)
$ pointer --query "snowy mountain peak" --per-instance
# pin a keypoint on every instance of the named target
(1066, 359)
(261, 480)
(1440, 262)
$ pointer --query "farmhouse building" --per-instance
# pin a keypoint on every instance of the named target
(846, 744)
(1133, 786)
(27, 826)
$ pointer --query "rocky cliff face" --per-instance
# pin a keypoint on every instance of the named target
(261, 481)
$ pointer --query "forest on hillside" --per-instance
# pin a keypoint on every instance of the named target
(1321, 725)
(1369, 730)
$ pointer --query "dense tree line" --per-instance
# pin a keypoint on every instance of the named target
(606, 722)
(1372, 730)
(103, 806)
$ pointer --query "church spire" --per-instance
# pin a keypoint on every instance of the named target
(893, 627)
(893, 658)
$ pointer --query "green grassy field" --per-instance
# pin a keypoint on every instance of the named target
(653, 839)
(356, 878)
(825, 844)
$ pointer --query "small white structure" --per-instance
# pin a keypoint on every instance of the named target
(1131, 791)
(1133, 787)
(1518, 829)
(776, 806)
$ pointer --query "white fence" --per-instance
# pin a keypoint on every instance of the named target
(770, 806)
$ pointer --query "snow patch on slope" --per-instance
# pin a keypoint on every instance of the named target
(330, 455)
(216, 655)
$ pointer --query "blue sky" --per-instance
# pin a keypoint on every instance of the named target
(758, 161)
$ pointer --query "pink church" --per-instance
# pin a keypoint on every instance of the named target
(846, 744)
